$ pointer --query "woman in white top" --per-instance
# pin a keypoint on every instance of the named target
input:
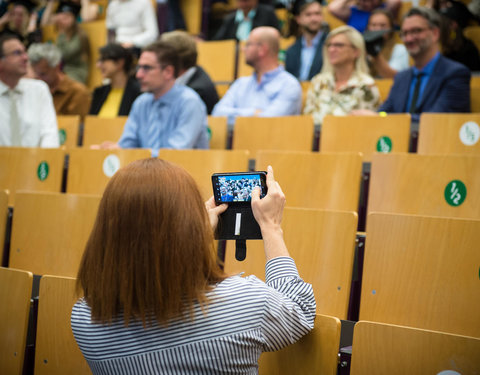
(393, 56)
(343, 84)
(156, 300)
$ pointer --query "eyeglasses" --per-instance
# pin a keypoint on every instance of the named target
(16, 53)
(413, 32)
(338, 45)
(147, 68)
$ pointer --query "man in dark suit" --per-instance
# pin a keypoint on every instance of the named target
(304, 58)
(249, 14)
(190, 74)
(434, 83)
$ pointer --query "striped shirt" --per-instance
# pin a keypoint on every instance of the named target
(244, 317)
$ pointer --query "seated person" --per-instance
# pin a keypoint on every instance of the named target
(356, 13)
(344, 83)
(21, 20)
(270, 91)
(70, 97)
(27, 115)
(455, 45)
(131, 23)
(190, 73)
(71, 40)
(304, 58)
(249, 15)
(392, 57)
(434, 83)
(166, 115)
(116, 97)
(154, 295)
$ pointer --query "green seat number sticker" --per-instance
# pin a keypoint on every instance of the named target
(42, 171)
(455, 193)
(62, 135)
(384, 144)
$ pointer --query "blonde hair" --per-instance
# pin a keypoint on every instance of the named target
(356, 39)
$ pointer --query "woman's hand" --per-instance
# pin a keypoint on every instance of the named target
(214, 211)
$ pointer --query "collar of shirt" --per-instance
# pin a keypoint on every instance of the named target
(269, 76)
(427, 69)
(169, 97)
(185, 77)
(239, 16)
(4, 89)
(315, 41)
(354, 81)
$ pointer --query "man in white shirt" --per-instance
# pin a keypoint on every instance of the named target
(27, 114)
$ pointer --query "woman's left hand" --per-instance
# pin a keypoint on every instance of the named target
(214, 211)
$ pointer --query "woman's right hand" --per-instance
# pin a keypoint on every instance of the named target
(268, 211)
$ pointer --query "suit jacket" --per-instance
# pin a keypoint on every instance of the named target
(203, 85)
(265, 16)
(294, 54)
(132, 90)
(447, 90)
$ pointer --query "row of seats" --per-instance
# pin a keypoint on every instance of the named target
(449, 133)
(420, 272)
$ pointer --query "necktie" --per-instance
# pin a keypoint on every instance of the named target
(14, 120)
(416, 92)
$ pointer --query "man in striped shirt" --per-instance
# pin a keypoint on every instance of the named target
(219, 327)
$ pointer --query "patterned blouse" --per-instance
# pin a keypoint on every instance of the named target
(359, 92)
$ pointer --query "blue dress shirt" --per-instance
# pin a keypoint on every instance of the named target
(244, 23)
(427, 72)
(308, 53)
(176, 120)
(278, 94)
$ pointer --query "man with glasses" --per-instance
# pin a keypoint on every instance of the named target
(270, 91)
(27, 114)
(166, 115)
(434, 83)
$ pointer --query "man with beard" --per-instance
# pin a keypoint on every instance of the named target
(434, 83)
(270, 91)
(304, 58)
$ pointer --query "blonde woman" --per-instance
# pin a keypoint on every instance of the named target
(343, 84)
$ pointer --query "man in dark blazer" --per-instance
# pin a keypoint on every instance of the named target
(304, 58)
(190, 73)
(434, 83)
(249, 15)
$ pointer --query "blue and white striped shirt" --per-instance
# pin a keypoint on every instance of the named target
(244, 317)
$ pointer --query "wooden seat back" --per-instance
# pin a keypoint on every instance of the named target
(422, 271)
(365, 134)
(50, 231)
(322, 243)
(98, 130)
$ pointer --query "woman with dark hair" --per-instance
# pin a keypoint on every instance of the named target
(116, 97)
(155, 298)
(392, 57)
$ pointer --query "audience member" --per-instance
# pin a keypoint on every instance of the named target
(304, 58)
(27, 115)
(21, 20)
(356, 13)
(270, 91)
(70, 97)
(71, 40)
(249, 15)
(154, 295)
(344, 83)
(89, 11)
(385, 56)
(190, 73)
(132, 23)
(435, 83)
(116, 97)
(455, 45)
(166, 115)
